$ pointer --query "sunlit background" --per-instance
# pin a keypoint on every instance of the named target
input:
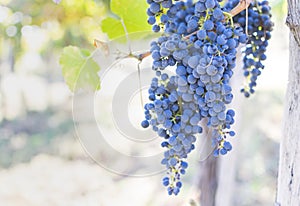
(42, 161)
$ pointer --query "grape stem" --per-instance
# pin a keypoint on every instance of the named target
(140, 85)
(229, 15)
(243, 4)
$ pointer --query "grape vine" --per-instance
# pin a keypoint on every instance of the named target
(200, 41)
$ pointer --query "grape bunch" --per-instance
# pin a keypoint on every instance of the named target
(258, 25)
(199, 41)
(175, 122)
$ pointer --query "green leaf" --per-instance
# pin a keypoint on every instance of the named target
(131, 12)
(79, 69)
(113, 27)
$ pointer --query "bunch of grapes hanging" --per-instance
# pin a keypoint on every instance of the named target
(199, 40)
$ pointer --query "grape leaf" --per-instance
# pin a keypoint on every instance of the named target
(112, 27)
(79, 69)
(131, 12)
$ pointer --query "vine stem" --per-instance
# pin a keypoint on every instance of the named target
(242, 5)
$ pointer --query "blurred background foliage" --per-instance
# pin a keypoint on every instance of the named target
(35, 108)
(33, 34)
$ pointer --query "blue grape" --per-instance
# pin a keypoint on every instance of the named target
(154, 7)
(151, 20)
(145, 124)
(200, 45)
(201, 34)
(208, 25)
(218, 14)
(210, 4)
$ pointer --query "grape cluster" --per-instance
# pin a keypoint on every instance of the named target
(259, 27)
(199, 41)
(156, 13)
(177, 123)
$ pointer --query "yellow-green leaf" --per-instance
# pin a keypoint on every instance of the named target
(112, 27)
(79, 69)
(131, 12)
